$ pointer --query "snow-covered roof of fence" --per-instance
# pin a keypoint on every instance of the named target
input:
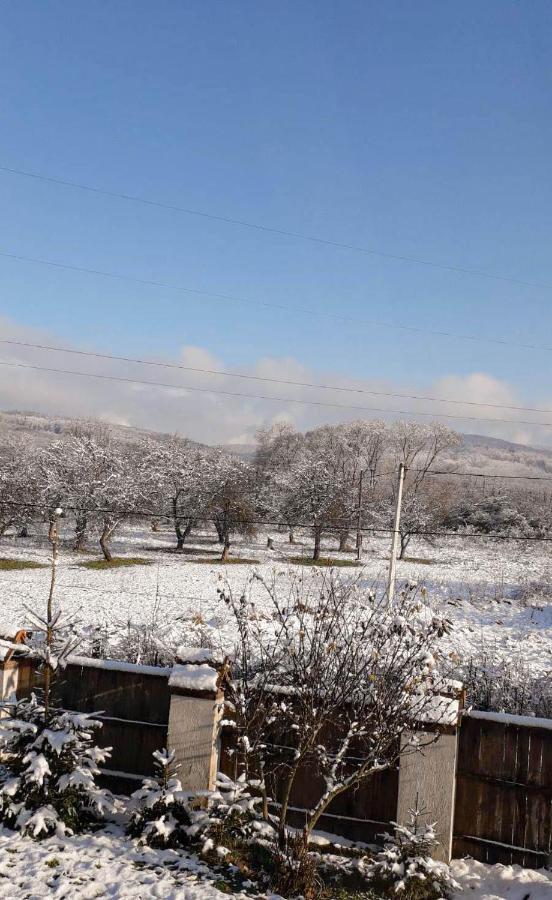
(508, 719)
(194, 677)
(118, 665)
(187, 654)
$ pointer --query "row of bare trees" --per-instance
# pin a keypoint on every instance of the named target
(330, 480)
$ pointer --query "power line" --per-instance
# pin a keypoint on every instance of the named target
(484, 475)
(270, 229)
(264, 379)
(336, 523)
(317, 313)
(183, 387)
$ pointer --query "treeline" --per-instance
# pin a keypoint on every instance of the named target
(330, 480)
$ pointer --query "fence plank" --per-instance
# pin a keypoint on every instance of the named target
(504, 791)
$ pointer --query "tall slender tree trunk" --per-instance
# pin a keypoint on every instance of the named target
(182, 532)
(48, 670)
(405, 540)
(105, 536)
(343, 541)
(220, 529)
(317, 540)
(80, 532)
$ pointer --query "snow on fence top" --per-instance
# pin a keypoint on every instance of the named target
(194, 677)
(186, 654)
(118, 666)
(9, 649)
(508, 719)
(440, 710)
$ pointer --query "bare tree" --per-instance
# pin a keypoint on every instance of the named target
(234, 499)
(312, 493)
(182, 478)
(337, 685)
(417, 447)
(19, 494)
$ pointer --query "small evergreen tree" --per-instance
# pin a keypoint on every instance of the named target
(405, 866)
(48, 782)
(159, 811)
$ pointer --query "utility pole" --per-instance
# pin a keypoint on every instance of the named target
(395, 537)
(359, 518)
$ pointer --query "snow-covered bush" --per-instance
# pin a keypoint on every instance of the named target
(159, 810)
(233, 817)
(328, 689)
(508, 686)
(48, 782)
(405, 867)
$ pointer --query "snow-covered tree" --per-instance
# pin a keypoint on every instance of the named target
(233, 506)
(48, 781)
(102, 481)
(19, 494)
(338, 681)
(48, 785)
(350, 451)
(159, 810)
(277, 451)
(417, 447)
(311, 493)
(181, 480)
(405, 867)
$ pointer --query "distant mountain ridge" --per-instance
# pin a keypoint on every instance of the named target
(488, 455)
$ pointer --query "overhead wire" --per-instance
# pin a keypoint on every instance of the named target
(296, 309)
(336, 523)
(302, 402)
(264, 379)
(270, 229)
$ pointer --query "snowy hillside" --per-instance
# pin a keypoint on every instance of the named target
(475, 452)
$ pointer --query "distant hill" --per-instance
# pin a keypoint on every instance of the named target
(475, 453)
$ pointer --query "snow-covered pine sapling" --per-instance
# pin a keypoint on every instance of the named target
(48, 783)
(159, 810)
(51, 764)
(232, 817)
(405, 866)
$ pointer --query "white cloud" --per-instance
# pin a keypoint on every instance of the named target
(217, 418)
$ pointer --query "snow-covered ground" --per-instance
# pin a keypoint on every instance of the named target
(491, 590)
(107, 864)
(104, 864)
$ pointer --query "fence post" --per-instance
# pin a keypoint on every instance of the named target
(195, 713)
(430, 777)
(12, 659)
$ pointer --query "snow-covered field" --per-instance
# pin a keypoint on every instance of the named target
(497, 594)
(107, 864)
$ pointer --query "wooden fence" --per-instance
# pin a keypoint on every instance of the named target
(503, 806)
(131, 701)
(361, 814)
(504, 790)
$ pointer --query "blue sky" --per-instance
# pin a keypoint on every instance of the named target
(419, 129)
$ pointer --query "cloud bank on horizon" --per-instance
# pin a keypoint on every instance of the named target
(215, 418)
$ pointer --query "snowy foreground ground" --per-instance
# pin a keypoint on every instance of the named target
(498, 594)
(108, 865)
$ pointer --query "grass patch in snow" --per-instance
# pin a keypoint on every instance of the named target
(326, 561)
(117, 562)
(233, 561)
(9, 565)
(419, 560)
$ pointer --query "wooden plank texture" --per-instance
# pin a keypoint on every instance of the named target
(504, 793)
